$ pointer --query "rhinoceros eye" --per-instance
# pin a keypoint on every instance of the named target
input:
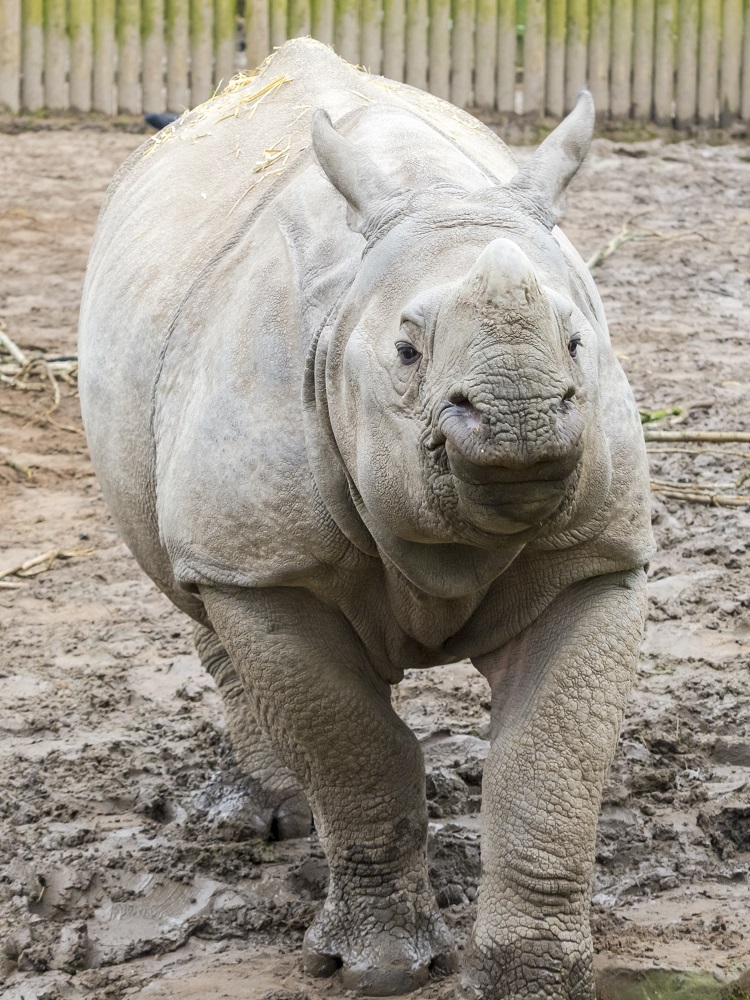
(408, 354)
(573, 344)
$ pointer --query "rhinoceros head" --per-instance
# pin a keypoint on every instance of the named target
(462, 369)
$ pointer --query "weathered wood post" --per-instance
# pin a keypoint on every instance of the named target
(643, 60)
(486, 54)
(663, 62)
(178, 48)
(300, 18)
(10, 54)
(394, 39)
(688, 20)
(104, 56)
(201, 51)
(534, 57)
(370, 34)
(416, 43)
(599, 55)
(731, 62)
(152, 31)
(225, 42)
(257, 32)
(322, 21)
(346, 30)
(506, 56)
(278, 19)
(81, 53)
(462, 52)
(557, 17)
(129, 56)
(622, 58)
(576, 51)
(56, 55)
(32, 96)
(708, 61)
(745, 90)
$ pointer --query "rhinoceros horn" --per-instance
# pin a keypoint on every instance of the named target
(351, 171)
(543, 179)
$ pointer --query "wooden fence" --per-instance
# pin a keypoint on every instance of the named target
(670, 61)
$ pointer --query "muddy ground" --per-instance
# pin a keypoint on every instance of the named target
(123, 878)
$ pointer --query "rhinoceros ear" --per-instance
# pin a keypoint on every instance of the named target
(351, 171)
(544, 178)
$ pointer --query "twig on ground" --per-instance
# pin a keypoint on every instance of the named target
(13, 349)
(698, 451)
(708, 493)
(696, 435)
(23, 469)
(41, 563)
(7, 585)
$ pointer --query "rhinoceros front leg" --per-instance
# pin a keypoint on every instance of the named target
(558, 695)
(270, 801)
(329, 718)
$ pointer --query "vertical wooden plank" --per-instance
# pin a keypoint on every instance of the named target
(416, 42)
(599, 54)
(576, 51)
(323, 20)
(731, 57)
(688, 19)
(708, 61)
(178, 49)
(370, 34)
(300, 18)
(486, 54)
(56, 55)
(201, 50)
(81, 53)
(104, 56)
(622, 58)
(745, 89)
(462, 52)
(279, 23)
(10, 54)
(643, 59)
(534, 57)
(506, 56)
(346, 29)
(32, 97)
(225, 42)
(663, 61)
(557, 18)
(394, 38)
(129, 56)
(152, 31)
(257, 32)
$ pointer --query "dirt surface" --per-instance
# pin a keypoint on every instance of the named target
(125, 878)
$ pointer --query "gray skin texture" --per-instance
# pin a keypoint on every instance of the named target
(350, 396)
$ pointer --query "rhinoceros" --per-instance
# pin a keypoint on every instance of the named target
(350, 396)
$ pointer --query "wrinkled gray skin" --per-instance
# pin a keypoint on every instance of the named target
(354, 409)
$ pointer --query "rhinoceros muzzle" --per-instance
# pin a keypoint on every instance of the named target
(509, 477)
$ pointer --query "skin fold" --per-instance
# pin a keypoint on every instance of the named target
(353, 406)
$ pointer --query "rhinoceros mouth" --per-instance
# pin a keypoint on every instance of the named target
(508, 508)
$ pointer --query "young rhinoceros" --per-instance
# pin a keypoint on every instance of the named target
(351, 400)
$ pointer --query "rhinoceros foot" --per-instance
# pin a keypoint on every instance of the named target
(546, 969)
(388, 961)
(237, 807)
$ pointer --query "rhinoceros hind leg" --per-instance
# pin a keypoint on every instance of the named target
(261, 798)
